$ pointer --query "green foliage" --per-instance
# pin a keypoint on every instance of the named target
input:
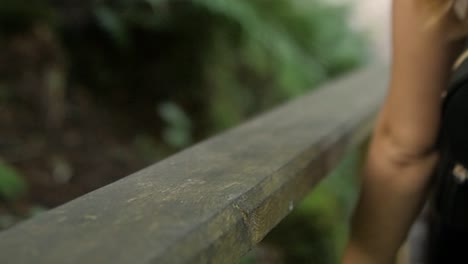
(340, 188)
(12, 184)
(178, 130)
(236, 57)
(112, 24)
(286, 48)
(233, 58)
(316, 230)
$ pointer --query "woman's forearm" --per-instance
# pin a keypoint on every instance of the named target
(391, 196)
(401, 154)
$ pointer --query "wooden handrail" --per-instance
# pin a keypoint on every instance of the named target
(212, 202)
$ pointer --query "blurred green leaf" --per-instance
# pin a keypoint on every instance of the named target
(177, 137)
(12, 185)
(174, 115)
(113, 25)
(178, 132)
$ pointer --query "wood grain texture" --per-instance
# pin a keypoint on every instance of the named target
(212, 202)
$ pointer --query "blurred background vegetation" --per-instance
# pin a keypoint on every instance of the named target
(92, 90)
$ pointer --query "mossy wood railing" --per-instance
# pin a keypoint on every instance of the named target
(212, 202)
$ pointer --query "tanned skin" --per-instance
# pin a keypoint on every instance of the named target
(401, 155)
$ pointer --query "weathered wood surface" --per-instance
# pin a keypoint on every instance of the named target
(214, 201)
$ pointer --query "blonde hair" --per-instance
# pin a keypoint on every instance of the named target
(454, 13)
